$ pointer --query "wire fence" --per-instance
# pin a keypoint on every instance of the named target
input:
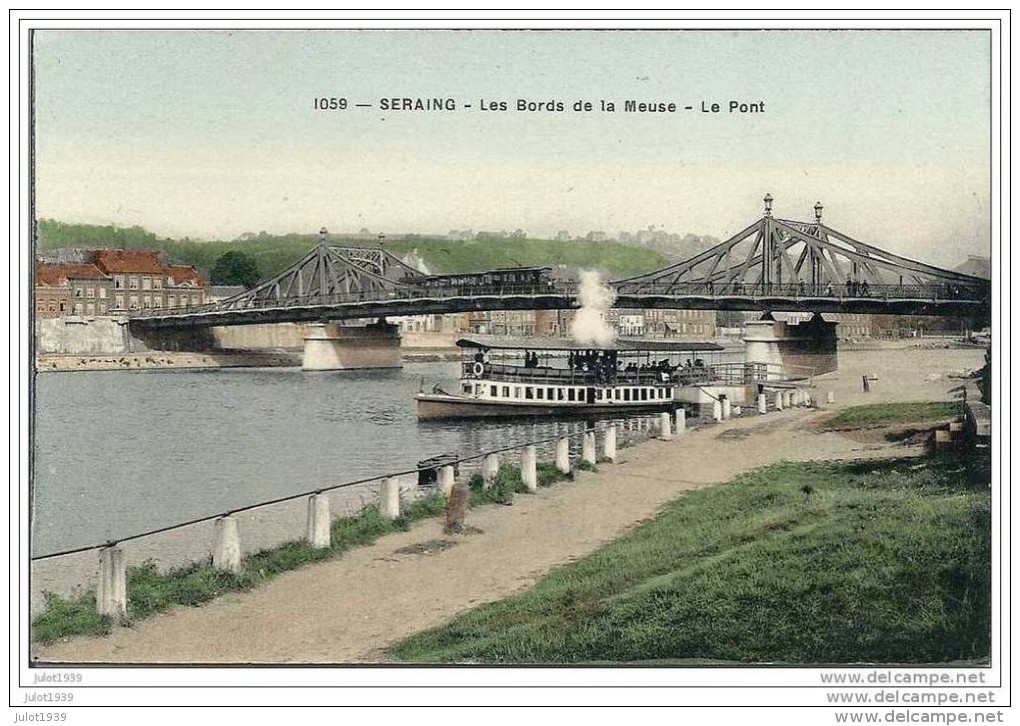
(271, 523)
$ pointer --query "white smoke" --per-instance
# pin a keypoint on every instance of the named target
(590, 326)
(413, 259)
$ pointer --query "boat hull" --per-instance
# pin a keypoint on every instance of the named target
(432, 406)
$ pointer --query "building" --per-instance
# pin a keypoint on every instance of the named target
(680, 323)
(52, 291)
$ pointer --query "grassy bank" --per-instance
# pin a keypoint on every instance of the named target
(883, 414)
(876, 561)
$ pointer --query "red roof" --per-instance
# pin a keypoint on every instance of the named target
(50, 274)
(146, 262)
(186, 273)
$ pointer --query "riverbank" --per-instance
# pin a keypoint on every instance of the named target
(404, 585)
(165, 360)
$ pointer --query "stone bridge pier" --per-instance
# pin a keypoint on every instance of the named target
(804, 349)
(333, 347)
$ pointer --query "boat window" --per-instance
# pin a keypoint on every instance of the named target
(617, 394)
(669, 393)
(492, 391)
(626, 394)
(529, 392)
(467, 388)
(644, 394)
(517, 391)
(561, 394)
(570, 394)
(541, 392)
(506, 391)
(478, 389)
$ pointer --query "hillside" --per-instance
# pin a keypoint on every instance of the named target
(274, 253)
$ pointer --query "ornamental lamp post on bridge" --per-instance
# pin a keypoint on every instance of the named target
(818, 212)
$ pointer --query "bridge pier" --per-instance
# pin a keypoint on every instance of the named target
(797, 350)
(332, 347)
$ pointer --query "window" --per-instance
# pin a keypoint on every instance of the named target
(669, 393)
(617, 394)
(118, 302)
(492, 391)
(146, 301)
(133, 302)
(133, 282)
(626, 394)
(77, 292)
(102, 308)
(157, 301)
(506, 391)
(77, 308)
(541, 393)
(53, 306)
(118, 282)
(90, 309)
(478, 389)
(644, 394)
(171, 301)
(146, 283)
(157, 283)
(561, 394)
(529, 392)
(466, 388)
(570, 394)
(102, 293)
(90, 293)
(195, 300)
(517, 391)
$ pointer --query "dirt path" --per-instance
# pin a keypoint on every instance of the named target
(349, 609)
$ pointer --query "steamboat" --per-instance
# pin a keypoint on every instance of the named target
(506, 376)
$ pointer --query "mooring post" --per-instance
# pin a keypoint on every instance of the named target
(609, 444)
(318, 534)
(446, 479)
(681, 421)
(227, 554)
(529, 471)
(588, 448)
(665, 429)
(490, 469)
(563, 454)
(389, 498)
(111, 593)
(763, 403)
(727, 408)
(717, 410)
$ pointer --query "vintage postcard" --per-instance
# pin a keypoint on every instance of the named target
(666, 345)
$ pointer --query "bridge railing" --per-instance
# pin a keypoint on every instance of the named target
(846, 291)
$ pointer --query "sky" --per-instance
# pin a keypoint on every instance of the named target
(212, 134)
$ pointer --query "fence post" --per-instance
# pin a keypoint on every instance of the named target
(665, 430)
(563, 454)
(588, 447)
(111, 594)
(490, 469)
(227, 554)
(318, 534)
(389, 498)
(609, 444)
(779, 400)
(727, 408)
(681, 421)
(717, 410)
(763, 403)
(529, 463)
(446, 479)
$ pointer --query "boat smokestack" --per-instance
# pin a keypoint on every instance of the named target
(596, 297)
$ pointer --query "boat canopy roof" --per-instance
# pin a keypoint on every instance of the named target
(660, 345)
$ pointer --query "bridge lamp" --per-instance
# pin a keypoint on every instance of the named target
(322, 234)
(818, 212)
(768, 205)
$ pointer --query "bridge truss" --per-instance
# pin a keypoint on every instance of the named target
(786, 257)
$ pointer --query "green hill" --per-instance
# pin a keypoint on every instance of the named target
(274, 253)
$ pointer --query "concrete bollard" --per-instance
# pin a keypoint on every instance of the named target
(681, 421)
(665, 429)
(111, 593)
(779, 400)
(717, 410)
(763, 403)
(318, 534)
(490, 469)
(727, 409)
(446, 480)
(529, 468)
(588, 448)
(563, 455)
(227, 554)
(830, 397)
(389, 498)
(609, 443)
